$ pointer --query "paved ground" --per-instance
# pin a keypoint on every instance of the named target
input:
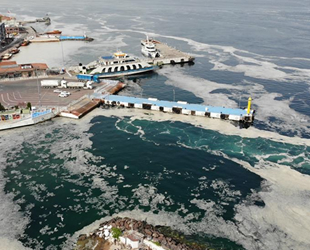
(14, 92)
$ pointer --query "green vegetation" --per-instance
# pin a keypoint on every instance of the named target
(29, 105)
(156, 243)
(116, 232)
(1, 107)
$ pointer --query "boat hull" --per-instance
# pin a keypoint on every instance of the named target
(125, 73)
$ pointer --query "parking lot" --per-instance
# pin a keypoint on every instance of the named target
(14, 93)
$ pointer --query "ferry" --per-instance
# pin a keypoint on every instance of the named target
(120, 64)
(148, 48)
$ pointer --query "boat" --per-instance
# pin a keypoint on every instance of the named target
(25, 43)
(119, 64)
(14, 51)
(148, 48)
(54, 32)
(7, 56)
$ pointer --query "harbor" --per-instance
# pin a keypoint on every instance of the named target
(89, 84)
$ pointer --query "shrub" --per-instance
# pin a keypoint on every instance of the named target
(116, 232)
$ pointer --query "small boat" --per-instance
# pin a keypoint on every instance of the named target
(14, 51)
(54, 32)
(119, 64)
(7, 56)
(25, 43)
(148, 48)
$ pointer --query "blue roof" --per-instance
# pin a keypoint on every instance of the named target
(188, 106)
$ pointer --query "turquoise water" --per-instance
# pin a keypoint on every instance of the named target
(228, 191)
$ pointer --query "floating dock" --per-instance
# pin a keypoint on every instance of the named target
(239, 115)
(169, 55)
(75, 38)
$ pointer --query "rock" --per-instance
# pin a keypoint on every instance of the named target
(82, 237)
(148, 232)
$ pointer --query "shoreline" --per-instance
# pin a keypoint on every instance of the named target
(148, 235)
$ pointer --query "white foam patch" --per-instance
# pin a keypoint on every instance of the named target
(284, 221)
(200, 87)
(12, 221)
(9, 244)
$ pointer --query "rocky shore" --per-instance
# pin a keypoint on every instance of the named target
(163, 236)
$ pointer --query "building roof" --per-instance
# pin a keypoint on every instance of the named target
(6, 18)
(12, 67)
(4, 63)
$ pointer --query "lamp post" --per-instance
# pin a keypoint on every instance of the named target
(39, 92)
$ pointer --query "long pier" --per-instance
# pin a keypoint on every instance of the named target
(239, 115)
(169, 55)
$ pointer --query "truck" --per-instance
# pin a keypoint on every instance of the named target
(85, 77)
(64, 84)
(83, 85)
(52, 83)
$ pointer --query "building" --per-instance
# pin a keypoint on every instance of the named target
(2, 32)
(11, 69)
(12, 30)
(132, 239)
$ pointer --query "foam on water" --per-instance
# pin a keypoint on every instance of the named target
(281, 223)
(250, 222)
(12, 221)
(267, 105)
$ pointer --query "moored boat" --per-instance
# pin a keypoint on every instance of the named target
(14, 51)
(25, 43)
(7, 56)
(54, 32)
(148, 48)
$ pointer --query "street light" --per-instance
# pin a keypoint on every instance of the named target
(39, 92)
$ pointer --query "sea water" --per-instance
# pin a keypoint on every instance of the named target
(227, 187)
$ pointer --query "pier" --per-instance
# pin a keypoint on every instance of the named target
(169, 55)
(239, 115)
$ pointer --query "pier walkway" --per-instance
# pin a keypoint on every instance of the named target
(240, 115)
(169, 55)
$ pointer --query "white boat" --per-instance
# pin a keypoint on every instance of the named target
(148, 48)
(7, 56)
(120, 64)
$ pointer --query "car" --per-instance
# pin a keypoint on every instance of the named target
(57, 91)
(63, 95)
(65, 92)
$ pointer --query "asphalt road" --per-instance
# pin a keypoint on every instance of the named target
(14, 93)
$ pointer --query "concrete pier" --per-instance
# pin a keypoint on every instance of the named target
(169, 55)
(239, 115)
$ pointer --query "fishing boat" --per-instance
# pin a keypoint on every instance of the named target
(119, 64)
(54, 32)
(7, 56)
(14, 51)
(148, 48)
(25, 43)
